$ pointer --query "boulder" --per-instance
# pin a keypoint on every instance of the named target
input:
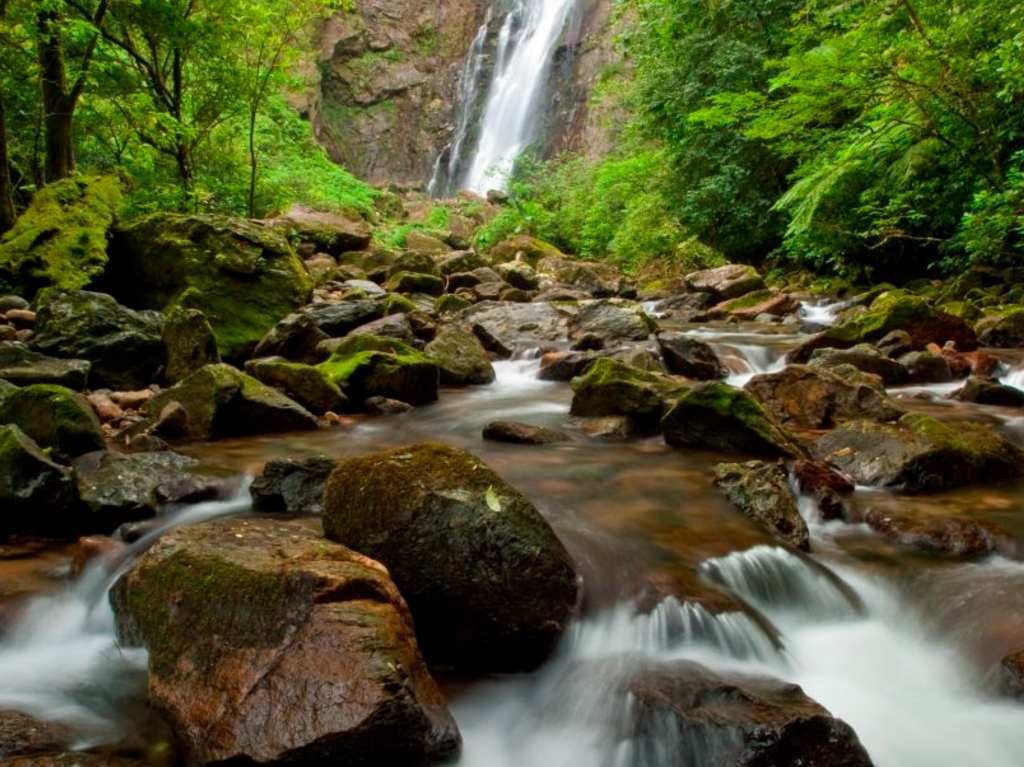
(35, 492)
(950, 535)
(730, 719)
(308, 385)
(331, 233)
(564, 366)
(519, 274)
(116, 488)
(826, 486)
(60, 240)
(460, 357)
(371, 366)
(753, 305)
(805, 397)
(21, 366)
(505, 328)
(297, 336)
(462, 261)
(523, 247)
(244, 277)
(1011, 672)
(218, 401)
(761, 492)
(592, 278)
(451, 303)
(522, 433)
(490, 585)
(422, 242)
(612, 321)
(190, 344)
(985, 392)
(864, 357)
(415, 282)
(610, 387)
(926, 367)
(393, 326)
(920, 453)
(690, 357)
(725, 282)
(125, 347)
(269, 645)
(292, 486)
(716, 416)
(55, 417)
(1004, 330)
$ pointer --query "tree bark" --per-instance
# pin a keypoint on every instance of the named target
(57, 107)
(6, 188)
(253, 163)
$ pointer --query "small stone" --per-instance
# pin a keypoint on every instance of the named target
(522, 433)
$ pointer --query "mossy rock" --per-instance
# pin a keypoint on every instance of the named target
(610, 387)
(221, 401)
(761, 491)
(242, 276)
(395, 303)
(450, 303)
(306, 384)
(531, 249)
(190, 343)
(1004, 329)
(716, 416)
(898, 310)
(55, 417)
(415, 282)
(36, 493)
(61, 238)
(21, 366)
(490, 585)
(461, 357)
(366, 366)
(965, 310)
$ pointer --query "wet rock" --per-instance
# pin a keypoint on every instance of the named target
(489, 583)
(522, 433)
(864, 357)
(460, 357)
(23, 735)
(244, 277)
(759, 303)
(612, 321)
(1011, 672)
(55, 417)
(385, 406)
(451, 303)
(1004, 330)
(920, 453)
(269, 645)
(504, 328)
(95, 550)
(308, 385)
(21, 366)
(116, 488)
(825, 485)
(761, 492)
(296, 336)
(564, 366)
(190, 344)
(414, 282)
(985, 392)
(125, 347)
(734, 720)
(371, 366)
(805, 397)
(956, 536)
(35, 492)
(292, 486)
(725, 282)
(393, 326)
(926, 367)
(462, 261)
(690, 357)
(523, 247)
(595, 279)
(610, 387)
(613, 427)
(331, 233)
(684, 307)
(219, 401)
(106, 409)
(895, 344)
(716, 416)
(518, 274)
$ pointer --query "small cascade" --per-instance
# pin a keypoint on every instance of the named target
(1014, 377)
(824, 313)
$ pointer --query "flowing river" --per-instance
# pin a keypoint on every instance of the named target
(902, 646)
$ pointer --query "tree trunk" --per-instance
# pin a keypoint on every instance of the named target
(6, 190)
(57, 105)
(252, 163)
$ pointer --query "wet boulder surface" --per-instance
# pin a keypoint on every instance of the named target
(610, 387)
(269, 645)
(761, 491)
(490, 585)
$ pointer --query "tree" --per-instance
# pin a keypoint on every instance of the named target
(7, 214)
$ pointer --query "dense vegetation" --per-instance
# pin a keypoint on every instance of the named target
(871, 137)
(187, 101)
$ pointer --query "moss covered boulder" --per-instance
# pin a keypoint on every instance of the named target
(36, 493)
(525, 248)
(921, 453)
(611, 387)
(297, 336)
(189, 342)
(761, 491)
(374, 366)
(490, 585)
(460, 357)
(55, 417)
(415, 282)
(306, 384)
(244, 277)
(61, 238)
(21, 366)
(220, 401)
(611, 321)
(725, 282)
(716, 416)
(1004, 330)
(125, 348)
(269, 645)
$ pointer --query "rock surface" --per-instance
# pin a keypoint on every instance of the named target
(690, 357)
(761, 491)
(725, 282)
(522, 433)
(460, 357)
(505, 328)
(190, 343)
(371, 366)
(292, 486)
(35, 492)
(610, 387)
(490, 585)
(308, 385)
(268, 644)
(55, 417)
(21, 366)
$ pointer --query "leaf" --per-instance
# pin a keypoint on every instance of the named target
(493, 502)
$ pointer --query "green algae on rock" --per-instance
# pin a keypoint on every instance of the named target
(368, 366)
(612, 387)
(460, 357)
(55, 417)
(306, 384)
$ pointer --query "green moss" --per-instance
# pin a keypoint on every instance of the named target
(749, 300)
(398, 304)
(611, 387)
(415, 282)
(450, 303)
(892, 310)
(55, 417)
(366, 365)
(61, 238)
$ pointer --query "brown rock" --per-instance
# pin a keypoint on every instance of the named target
(522, 433)
(825, 485)
(105, 407)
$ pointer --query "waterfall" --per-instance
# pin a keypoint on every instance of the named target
(524, 52)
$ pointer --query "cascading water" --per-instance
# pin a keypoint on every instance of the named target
(525, 50)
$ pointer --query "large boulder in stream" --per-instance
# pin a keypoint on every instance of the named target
(269, 645)
(611, 321)
(297, 336)
(921, 453)
(125, 347)
(308, 385)
(57, 418)
(683, 713)
(373, 366)
(610, 387)
(35, 492)
(716, 416)
(690, 357)
(460, 357)
(761, 491)
(219, 401)
(243, 276)
(490, 585)
(504, 327)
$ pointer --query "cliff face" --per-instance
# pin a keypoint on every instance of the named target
(385, 101)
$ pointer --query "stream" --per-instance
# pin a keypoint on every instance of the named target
(901, 646)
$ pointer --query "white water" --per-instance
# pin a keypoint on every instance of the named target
(822, 312)
(525, 50)
(1014, 377)
(745, 353)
